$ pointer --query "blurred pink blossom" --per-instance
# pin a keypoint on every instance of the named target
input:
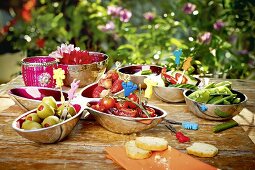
(114, 10)
(109, 26)
(218, 25)
(243, 52)
(149, 16)
(188, 8)
(125, 15)
(205, 38)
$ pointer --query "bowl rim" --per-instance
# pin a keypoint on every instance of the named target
(43, 129)
(173, 88)
(245, 99)
(138, 65)
(26, 63)
(94, 52)
(136, 118)
(34, 87)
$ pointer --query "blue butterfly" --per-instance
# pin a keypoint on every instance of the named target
(177, 54)
(128, 87)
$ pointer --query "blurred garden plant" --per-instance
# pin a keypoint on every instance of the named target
(218, 34)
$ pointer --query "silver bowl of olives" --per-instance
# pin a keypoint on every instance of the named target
(46, 123)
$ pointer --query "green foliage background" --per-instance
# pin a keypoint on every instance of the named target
(230, 53)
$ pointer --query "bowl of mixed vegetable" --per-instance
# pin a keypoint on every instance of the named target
(125, 115)
(169, 88)
(216, 101)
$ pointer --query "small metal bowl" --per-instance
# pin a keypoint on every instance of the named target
(50, 134)
(86, 73)
(169, 94)
(215, 112)
(127, 125)
(29, 98)
(138, 79)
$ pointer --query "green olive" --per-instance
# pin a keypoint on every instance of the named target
(71, 110)
(68, 116)
(50, 101)
(50, 121)
(30, 125)
(33, 117)
(44, 110)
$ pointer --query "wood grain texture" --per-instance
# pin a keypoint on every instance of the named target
(84, 147)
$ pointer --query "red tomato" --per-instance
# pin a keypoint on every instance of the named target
(120, 105)
(128, 112)
(96, 92)
(117, 86)
(113, 75)
(98, 107)
(142, 115)
(107, 102)
(151, 111)
(133, 97)
(184, 79)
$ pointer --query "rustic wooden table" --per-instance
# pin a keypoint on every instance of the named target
(84, 147)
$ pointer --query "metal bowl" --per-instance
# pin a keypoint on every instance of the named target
(50, 134)
(86, 73)
(138, 79)
(169, 94)
(127, 125)
(29, 98)
(215, 112)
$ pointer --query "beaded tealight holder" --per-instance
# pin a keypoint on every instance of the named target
(38, 71)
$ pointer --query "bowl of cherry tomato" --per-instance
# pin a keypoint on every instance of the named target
(125, 115)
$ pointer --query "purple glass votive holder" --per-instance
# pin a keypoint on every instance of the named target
(38, 71)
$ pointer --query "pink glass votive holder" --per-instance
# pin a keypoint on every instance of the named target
(38, 71)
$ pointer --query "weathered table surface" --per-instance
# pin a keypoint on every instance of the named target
(84, 147)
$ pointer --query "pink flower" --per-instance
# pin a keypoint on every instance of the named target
(188, 8)
(109, 26)
(205, 38)
(149, 16)
(218, 25)
(125, 15)
(114, 10)
(64, 48)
